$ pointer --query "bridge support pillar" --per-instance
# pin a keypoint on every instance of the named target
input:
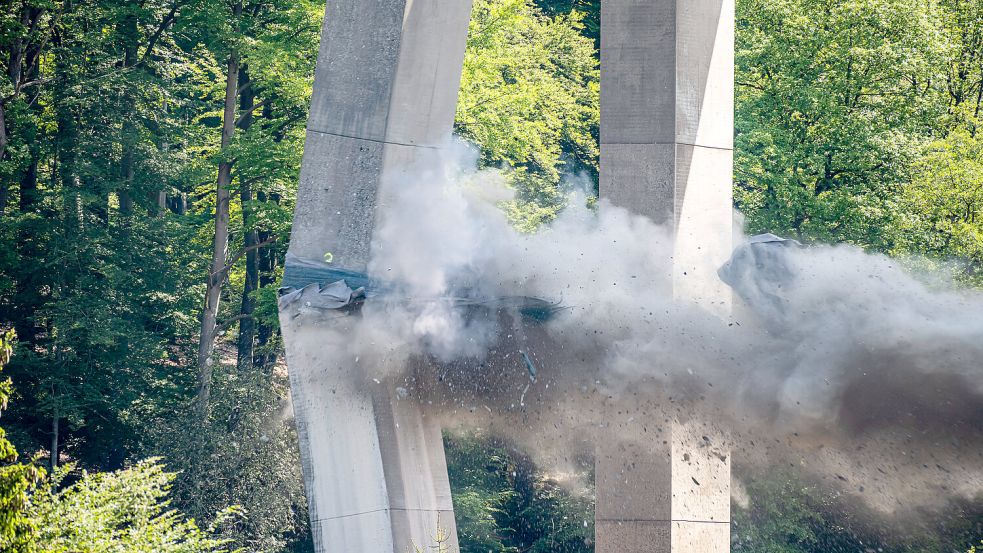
(667, 153)
(385, 90)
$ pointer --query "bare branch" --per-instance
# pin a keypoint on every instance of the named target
(242, 116)
(220, 274)
(164, 24)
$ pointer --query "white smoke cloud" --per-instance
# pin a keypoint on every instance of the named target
(857, 350)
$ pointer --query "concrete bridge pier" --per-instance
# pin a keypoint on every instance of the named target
(385, 91)
(667, 101)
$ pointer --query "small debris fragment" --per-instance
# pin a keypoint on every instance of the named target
(529, 366)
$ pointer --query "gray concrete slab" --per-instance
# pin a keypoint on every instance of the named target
(336, 199)
(641, 178)
(667, 72)
(369, 532)
(671, 495)
(335, 422)
(705, 73)
(705, 537)
(703, 210)
(638, 79)
(632, 536)
(412, 450)
(633, 482)
(700, 474)
(432, 51)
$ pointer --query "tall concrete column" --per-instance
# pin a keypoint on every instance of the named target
(667, 152)
(384, 97)
(667, 128)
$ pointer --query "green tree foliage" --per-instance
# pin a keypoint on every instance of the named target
(504, 504)
(830, 97)
(590, 8)
(111, 137)
(16, 479)
(530, 99)
(248, 457)
(942, 203)
(857, 122)
(788, 513)
(124, 511)
(124, 141)
(789, 516)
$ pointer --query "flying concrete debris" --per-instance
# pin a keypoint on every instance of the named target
(383, 104)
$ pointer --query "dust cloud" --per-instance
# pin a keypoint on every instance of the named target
(833, 359)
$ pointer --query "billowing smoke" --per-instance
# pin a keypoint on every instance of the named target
(833, 358)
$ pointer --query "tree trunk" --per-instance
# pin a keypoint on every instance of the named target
(213, 286)
(14, 62)
(128, 131)
(22, 51)
(3, 132)
(29, 187)
(4, 197)
(263, 357)
(55, 420)
(247, 326)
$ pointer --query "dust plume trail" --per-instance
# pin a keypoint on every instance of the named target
(834, 357)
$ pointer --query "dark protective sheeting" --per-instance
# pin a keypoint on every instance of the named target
(319, 285)
(299, 272)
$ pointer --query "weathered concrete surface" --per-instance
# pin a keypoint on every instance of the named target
(666, 152)
(667, 128)
(384, 97)
(663, 496)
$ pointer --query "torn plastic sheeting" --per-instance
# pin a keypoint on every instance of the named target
(321, 286)
(336, 295)
(758, 270)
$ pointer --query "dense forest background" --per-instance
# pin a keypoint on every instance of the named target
(149, 152)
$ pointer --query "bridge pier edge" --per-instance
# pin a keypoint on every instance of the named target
(667, 100)
(385, 93)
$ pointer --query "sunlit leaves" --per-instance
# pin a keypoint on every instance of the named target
(529, 98)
